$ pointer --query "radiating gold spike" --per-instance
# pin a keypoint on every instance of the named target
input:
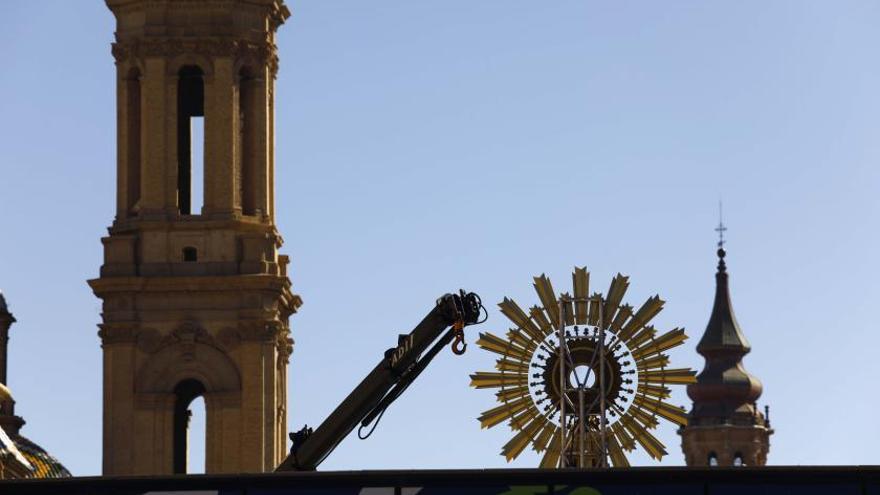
(672, 413)
(648, 442)
(565, 298)
(488, 379)
(658, 361)
(620, 319)
(615, 452)
(548, 298)
(648, 310)
(580, 280)
(494, 416)
(623, 438)
(654, 391)
(672, 376)
(666, 341)
(506, 364)
(642, 336)
(511, 310)
(540, 319)
(554, 449)
(616, 291)
(623, 314)
(593, 317)
(521, 440)
(543, 438)
(519, 421)
(496, 344)
(644, 417)
(509, 394)
(522, 341)
(498, 414)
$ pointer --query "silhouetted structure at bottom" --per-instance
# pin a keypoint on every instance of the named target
(809, 480)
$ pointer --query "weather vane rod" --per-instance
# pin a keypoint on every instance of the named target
(721, 228)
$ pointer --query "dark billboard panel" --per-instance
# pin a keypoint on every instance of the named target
(785, 489)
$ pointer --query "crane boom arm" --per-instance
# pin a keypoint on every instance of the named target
(388, 379)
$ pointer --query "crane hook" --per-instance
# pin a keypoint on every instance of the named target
(458, 345)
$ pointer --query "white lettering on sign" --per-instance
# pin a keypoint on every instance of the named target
(402, 350)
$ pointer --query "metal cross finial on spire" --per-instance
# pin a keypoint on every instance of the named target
(721, 228)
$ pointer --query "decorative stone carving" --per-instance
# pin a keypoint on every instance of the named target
(228, 338)
(263, 54)
(285, 348)
(169, 366)
(116, 333)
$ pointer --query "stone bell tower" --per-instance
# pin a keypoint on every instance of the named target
(196, 297)
(725, 427)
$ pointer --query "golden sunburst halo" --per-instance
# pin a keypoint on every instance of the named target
(635, 373)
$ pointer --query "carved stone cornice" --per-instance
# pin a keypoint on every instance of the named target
(264, 53)
(117, 333)
(275, 11)
(189, 333)
(277, 15)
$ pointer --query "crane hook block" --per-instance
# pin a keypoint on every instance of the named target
(458, 344)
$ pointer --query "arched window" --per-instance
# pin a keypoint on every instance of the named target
(247, 141)
(184, 394)
(738, 460)
(713, 459)
(133, 140)
(190, 139)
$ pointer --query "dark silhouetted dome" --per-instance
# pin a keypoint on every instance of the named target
(44, 464)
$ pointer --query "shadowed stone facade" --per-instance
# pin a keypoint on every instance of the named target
(196, 298)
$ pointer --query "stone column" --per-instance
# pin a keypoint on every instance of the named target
(261, 153)
(121, 141)
(220, 143)
(155, 160)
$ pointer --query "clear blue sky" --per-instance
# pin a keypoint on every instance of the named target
(427, 146)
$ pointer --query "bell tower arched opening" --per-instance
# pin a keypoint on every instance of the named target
(190, 106)
(184, 394)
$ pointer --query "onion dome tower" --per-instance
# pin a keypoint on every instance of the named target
(40, 464)
(725, 427)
